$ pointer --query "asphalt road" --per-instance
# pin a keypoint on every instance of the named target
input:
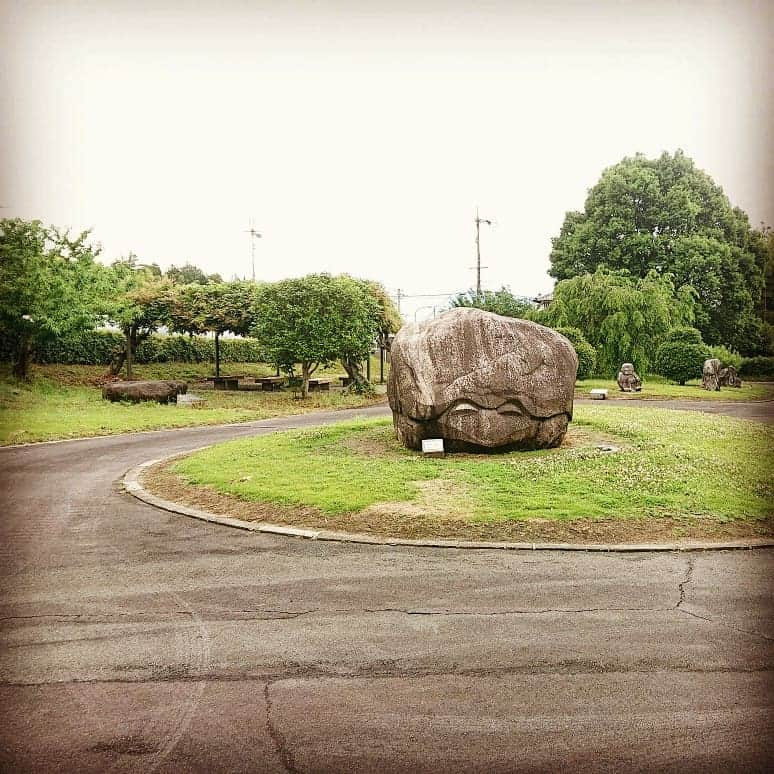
(136, 640)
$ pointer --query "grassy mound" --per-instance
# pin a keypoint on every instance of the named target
(690, 470)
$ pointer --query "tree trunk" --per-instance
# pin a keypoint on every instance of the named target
(21, 365)
(305, 374)
(217, 354)
(354, 371)
(117, 361)
(129, 353)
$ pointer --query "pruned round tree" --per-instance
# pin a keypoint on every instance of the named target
(217, 308)
(316, 320)
(681, 355)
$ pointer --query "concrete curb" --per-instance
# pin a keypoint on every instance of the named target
(132, 485)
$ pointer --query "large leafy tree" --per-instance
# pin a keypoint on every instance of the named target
(623, 317)
(216, 308)
(315, 320)
(501, 301)
(667, 215)
(50, 285)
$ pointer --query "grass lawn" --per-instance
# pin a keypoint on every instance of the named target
(66, 402)
(658, 388)
(675, 474)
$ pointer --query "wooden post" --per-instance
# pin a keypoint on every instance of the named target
(368, 367)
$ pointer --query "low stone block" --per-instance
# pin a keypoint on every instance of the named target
(162, 391)
(190, 400)
(598, 394)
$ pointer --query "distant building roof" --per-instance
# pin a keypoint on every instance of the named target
(544, 299)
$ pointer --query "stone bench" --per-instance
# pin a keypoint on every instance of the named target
(270, 383)
(316, 385)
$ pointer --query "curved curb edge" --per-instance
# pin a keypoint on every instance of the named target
(131, 484)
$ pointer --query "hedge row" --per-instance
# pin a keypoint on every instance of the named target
(97, 348)
(757, 366)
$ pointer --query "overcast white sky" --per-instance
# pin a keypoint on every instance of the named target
(360, 136)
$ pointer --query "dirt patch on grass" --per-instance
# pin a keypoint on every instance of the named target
(438, 499)
(436, 514)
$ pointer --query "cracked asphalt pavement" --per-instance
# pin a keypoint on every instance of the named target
(133, 639)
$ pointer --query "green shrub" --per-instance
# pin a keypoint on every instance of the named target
(684, 335)
(587, 355)
(681, 355)
(727, 357)
(757, 366)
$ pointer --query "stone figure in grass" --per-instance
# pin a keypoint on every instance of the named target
(628, 380)
(710, 374)
(728, 377)
(481, 382)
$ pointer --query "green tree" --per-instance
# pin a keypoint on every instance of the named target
(500, 301)
(50, 286)
(217, 308)
(622, 317)
(681, 355)
(587, 355)
(668, 215)
(315, 320)
(188, 274)
(387, 322)
(138, 304)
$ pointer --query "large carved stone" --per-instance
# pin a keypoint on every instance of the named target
(160, 391)
(710, 374)
(628, 380)
(728, 377)
(481, 382)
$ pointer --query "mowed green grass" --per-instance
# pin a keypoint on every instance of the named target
(63, 402)
(670, 464)
(658, 388)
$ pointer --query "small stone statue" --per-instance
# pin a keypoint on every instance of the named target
(729, 378)
(628, 380)
(710, 374)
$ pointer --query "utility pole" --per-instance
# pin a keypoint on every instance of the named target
(253, 236)
(399, 296)
(479, 221)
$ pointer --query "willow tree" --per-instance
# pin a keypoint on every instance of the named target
(623, 317)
